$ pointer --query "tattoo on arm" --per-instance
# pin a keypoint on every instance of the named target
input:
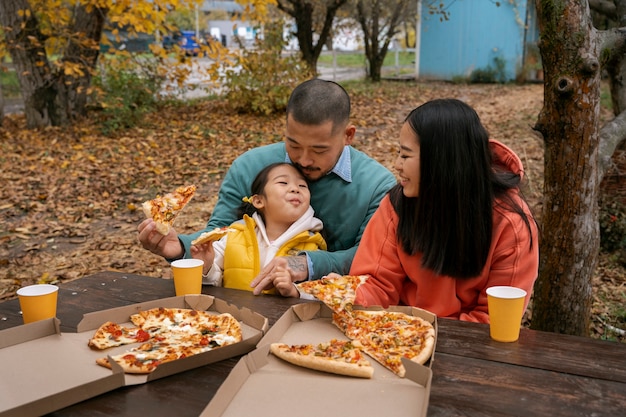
(297, 263)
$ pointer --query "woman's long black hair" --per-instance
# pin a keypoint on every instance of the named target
(451, 221)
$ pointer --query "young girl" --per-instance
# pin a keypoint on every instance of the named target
(455, 224)
(277, 220)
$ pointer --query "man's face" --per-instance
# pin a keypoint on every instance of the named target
(315, 149)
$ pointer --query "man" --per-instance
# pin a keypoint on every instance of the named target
(346, 185)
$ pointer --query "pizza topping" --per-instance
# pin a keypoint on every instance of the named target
(338, 293)
(164, 209)
(166, 334)
(336, 356)
(386, 336)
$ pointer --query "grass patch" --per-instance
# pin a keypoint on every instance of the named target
(357, 59)
(10, 84)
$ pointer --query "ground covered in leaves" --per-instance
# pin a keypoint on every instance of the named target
(70, 198)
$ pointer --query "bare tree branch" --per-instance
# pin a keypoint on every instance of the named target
(605, 7)
(611, 135)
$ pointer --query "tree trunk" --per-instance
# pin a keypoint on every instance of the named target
(569, 122)
(379, 21)
(51, 97)
(83, 51)
(26, 46)
(1, 105)
(616, 67)
(304, 12)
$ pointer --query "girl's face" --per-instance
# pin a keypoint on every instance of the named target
(286, 196)
(408, 162)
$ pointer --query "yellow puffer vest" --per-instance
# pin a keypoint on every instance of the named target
(241, 255)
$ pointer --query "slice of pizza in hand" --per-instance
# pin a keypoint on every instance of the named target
(164, 209)
(336, 356)
(213, 235)
(337, 292)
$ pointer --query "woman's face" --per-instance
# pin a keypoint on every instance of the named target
(408, 162)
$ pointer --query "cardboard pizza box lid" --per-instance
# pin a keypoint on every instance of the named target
(260, 375)
(44, 370)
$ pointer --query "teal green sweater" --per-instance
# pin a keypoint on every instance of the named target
(344, 207)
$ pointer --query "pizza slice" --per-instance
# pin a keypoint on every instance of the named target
(112, 334)
(337, 292)
(336, 356)
(213, 235)
(164, 209)
(143, 359)
(388, 336)
(223, 328)
(166, 334)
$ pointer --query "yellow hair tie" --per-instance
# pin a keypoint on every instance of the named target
(246, 200)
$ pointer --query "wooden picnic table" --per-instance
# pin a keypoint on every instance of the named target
(542, 374)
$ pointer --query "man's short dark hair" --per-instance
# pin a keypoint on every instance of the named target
(316, 101)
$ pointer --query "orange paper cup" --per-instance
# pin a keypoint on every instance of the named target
(506, 307)
(38, 302)
(187, 276)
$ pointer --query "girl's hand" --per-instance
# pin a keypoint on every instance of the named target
(205, 252)
(281, 278)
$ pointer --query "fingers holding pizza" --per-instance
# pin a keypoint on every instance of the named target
(167, 246)
(164, 209)
(205, 252)
(156, 233)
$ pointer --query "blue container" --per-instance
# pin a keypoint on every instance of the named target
(188, 42)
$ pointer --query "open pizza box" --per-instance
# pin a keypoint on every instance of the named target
(44, 370)
(295, 390)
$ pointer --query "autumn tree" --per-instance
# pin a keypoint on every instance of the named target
(314, 22)
(577, 153)
(55, 46)
(380, 22)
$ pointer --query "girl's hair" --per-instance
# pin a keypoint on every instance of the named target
(258, 187)
(451, 220)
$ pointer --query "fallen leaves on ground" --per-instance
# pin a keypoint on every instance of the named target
(70, 198)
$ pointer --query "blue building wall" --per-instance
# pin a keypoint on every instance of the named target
(476, 32)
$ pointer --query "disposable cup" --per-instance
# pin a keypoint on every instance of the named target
(38, 302)
(187, 276)
(506, 307)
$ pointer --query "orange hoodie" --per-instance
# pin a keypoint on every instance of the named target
(396, 278)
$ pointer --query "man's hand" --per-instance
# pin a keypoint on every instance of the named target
(167, 246)
(295, 266)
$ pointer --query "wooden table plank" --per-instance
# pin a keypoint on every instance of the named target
(543, 350)
(474, 387)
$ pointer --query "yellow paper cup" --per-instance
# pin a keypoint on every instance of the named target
(506, 307)
(38, 302)
(187, 276)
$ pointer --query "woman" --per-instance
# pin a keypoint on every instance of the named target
(277, 220)
(455, 224)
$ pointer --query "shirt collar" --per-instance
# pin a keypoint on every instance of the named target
(343, 167)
